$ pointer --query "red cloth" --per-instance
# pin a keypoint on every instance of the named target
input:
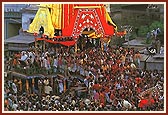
(143, 103)
(96, 19)
(112, 96)
(65, 43)
(152, 101)
(39, 39)
(96, 86)
(108, 77)
(68, 43)
(17, 55)
(96, 96)
(106, 89)
(146, 102)
(102, 98)
(138, 80)
(138, 89)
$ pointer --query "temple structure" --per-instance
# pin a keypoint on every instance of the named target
(70, 21)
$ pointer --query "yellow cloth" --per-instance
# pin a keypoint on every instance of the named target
(108, 18)
(42, 18)
(94, 35)
(56, 16)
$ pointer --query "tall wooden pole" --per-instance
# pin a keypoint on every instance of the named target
(27, 85)
(33, 82)
(64, 85)
(20, 85)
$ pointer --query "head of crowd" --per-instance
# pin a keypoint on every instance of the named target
(113, 79)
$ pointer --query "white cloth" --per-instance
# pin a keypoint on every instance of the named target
(24, 57)
(133, 66)
(45, 63)
(14, 87)
(46, 82)
(55, 64)
(162, 50)
(32, 55)
(126, 104)
(14, 107)
(48, 89)
(61, 87)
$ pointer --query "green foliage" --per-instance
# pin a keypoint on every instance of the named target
(143, 30)
(155, 25)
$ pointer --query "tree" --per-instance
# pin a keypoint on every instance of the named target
(143, 30)
(155, 25)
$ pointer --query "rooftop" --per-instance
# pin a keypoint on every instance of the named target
(22, 38)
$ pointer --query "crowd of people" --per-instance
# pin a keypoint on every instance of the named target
(113, 78)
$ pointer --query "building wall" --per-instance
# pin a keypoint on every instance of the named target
(155, 65)
(14, 7)
(28, 15)
(11, 28)
(26, 20)
(12, 19)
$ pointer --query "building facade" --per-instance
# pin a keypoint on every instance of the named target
(28, 15)
(12, 19)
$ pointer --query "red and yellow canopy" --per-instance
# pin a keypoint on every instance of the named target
(72, 19)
